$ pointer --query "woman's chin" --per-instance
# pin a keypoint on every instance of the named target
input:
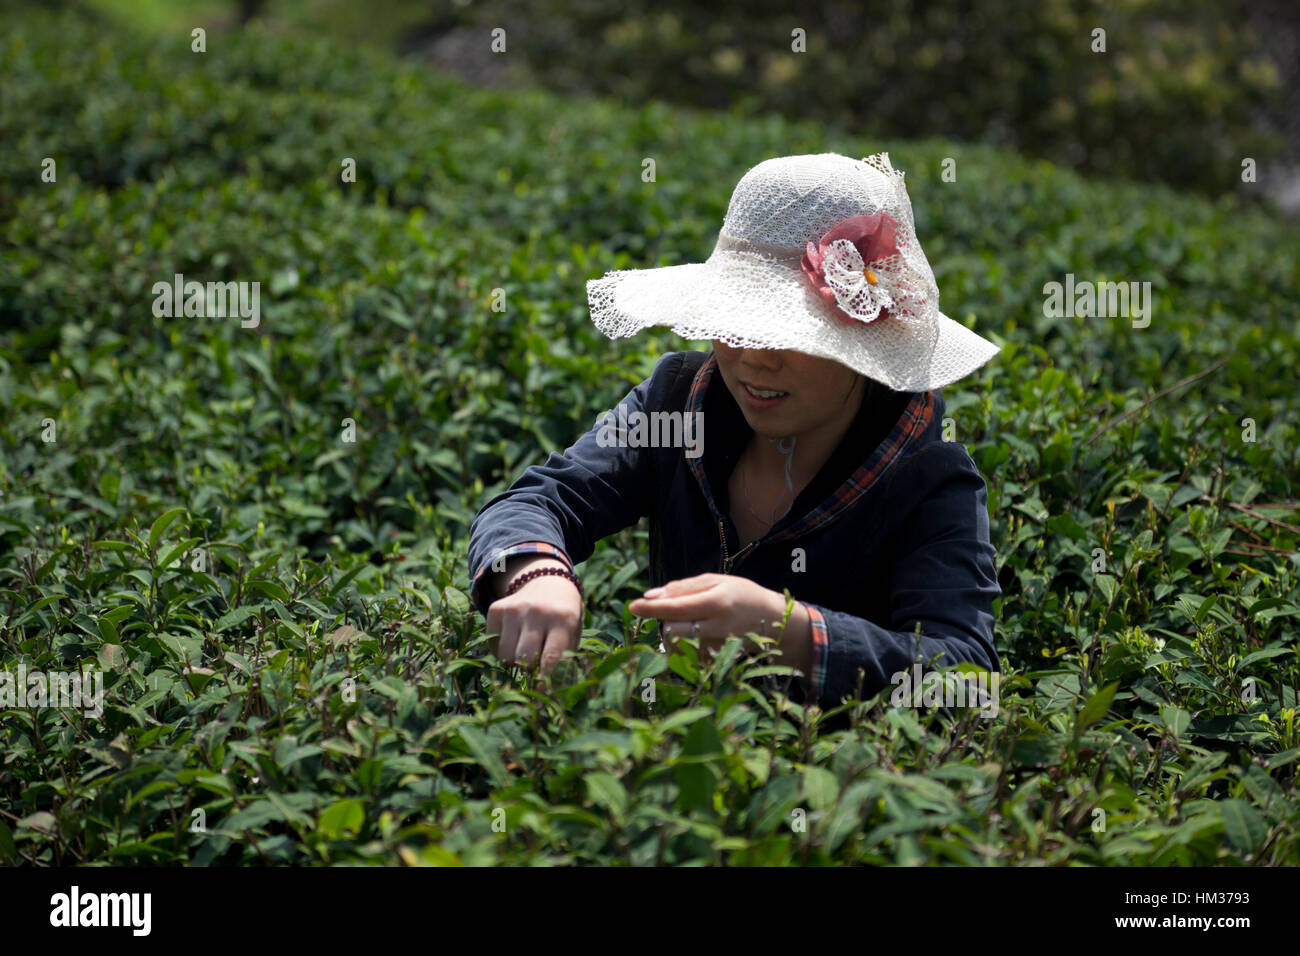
(766, 428)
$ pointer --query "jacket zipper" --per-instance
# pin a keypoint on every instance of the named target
(728, 560)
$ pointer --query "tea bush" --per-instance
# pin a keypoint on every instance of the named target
(1175, 91)
(292, 673)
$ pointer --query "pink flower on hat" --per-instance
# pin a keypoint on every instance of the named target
(840, 266)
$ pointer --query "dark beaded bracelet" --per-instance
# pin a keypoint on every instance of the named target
(527, 576)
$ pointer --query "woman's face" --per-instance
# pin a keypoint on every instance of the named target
(812, 392)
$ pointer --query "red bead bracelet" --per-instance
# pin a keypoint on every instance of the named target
(527, 576)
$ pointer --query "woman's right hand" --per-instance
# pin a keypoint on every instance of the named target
(537, 623)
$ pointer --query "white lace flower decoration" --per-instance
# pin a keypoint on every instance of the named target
(858, 270)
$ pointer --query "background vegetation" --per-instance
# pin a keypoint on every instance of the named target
(1160, 690)
(1184, 90)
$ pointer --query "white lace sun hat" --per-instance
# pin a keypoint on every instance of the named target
(817, 254)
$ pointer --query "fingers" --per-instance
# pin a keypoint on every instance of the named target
(711, 636)
(699, 582)
(558, 640)
(690, 607)
(506, 621)
(677, 598)
(509, 642)
(535, 630)
(492, 629)
(686, 626)
(531, 640)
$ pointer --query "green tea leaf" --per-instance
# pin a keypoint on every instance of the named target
(161, 524)
(1243, 824)
(343, 819)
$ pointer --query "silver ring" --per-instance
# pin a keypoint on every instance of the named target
(695, 628)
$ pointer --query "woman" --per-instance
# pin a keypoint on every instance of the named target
(806, 457)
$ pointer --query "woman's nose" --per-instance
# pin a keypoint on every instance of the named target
(761, 358)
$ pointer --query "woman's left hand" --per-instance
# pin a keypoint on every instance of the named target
(723, 605)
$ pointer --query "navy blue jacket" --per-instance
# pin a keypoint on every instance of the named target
(892, 534)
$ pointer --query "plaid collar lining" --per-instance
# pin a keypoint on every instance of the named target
(915, 419)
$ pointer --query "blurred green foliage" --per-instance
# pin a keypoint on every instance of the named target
(1159, 688)
(1181, 93)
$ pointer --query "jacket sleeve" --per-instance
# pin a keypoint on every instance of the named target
(498, 559)
(595, 488)
(943, 580)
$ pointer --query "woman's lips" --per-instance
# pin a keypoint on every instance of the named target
(758, 402)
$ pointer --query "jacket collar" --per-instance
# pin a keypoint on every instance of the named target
(917, 418)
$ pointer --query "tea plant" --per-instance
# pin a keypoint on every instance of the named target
(258, 535)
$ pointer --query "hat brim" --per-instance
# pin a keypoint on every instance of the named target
(759, 302)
